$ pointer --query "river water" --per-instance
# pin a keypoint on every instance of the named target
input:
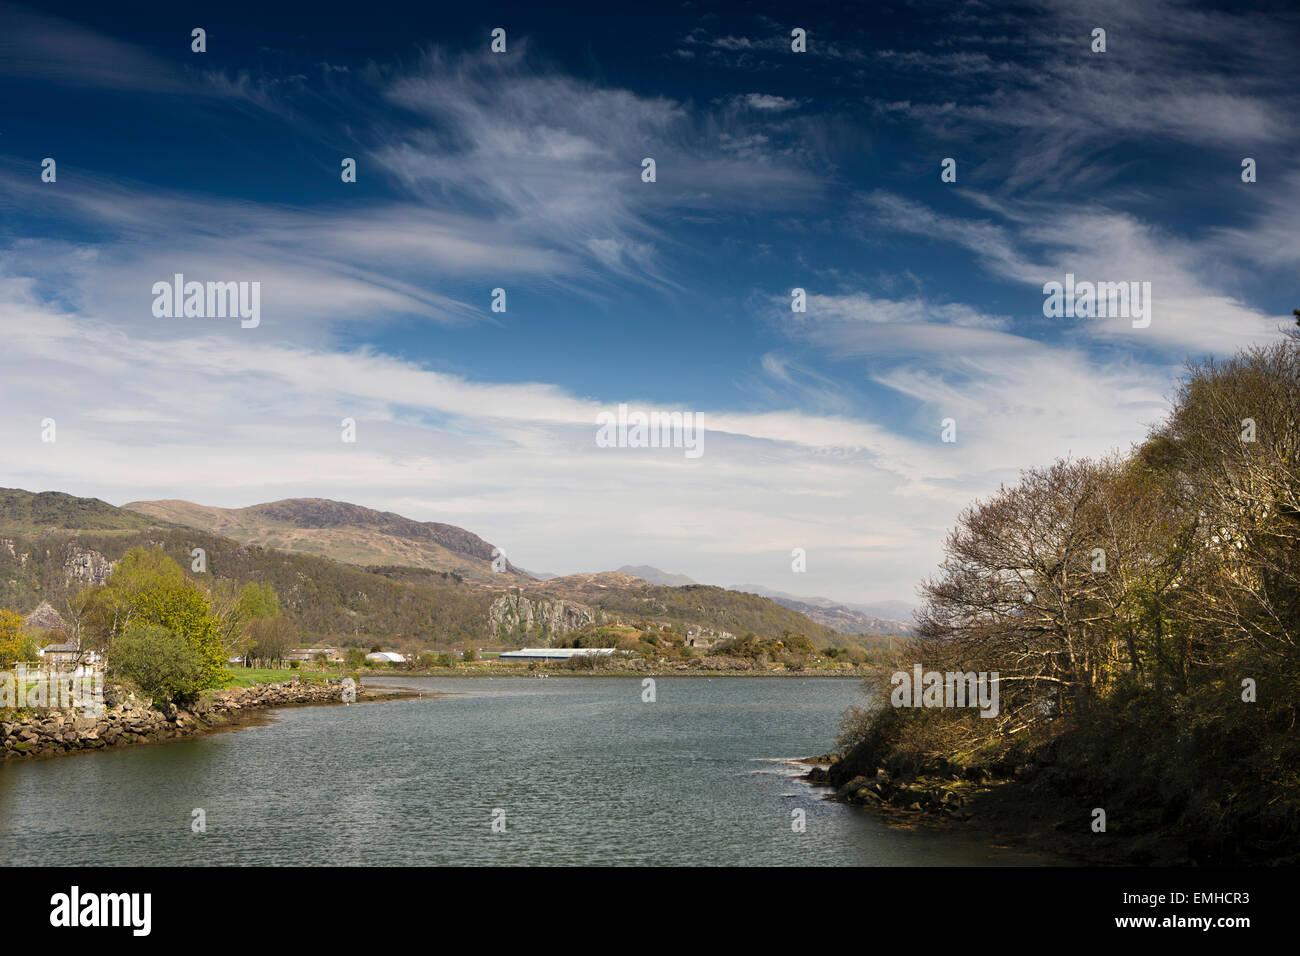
(582, 769)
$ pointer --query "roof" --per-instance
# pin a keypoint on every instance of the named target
(60, 649)
(391, 656)
(557, 653)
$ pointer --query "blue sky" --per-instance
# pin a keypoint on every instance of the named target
(521, 170)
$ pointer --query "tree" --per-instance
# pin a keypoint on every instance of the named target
(149, 588)
(1232, 448)
(272, 637)
(164, 665)
(15, 643)
(237, 610)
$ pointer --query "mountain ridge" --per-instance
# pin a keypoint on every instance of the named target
(342, 531)
(47, 551)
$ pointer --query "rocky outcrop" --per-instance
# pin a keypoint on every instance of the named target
(513, 617)
(131, 720)
(912, 794)
(45, 618)
(8, 545)
(84, 565)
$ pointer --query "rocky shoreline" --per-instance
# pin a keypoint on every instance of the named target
(1004, 804)
(707, 667)
(949, 796)
(129, 720)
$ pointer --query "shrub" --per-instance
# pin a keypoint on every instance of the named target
(15, 644)
(164, 665)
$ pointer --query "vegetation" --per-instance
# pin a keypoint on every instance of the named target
(163, 664)
(787, 649)
(1142, 613)
(30, 513)
(714, 608)
(250, 676)
(15, 643)
(328, 601)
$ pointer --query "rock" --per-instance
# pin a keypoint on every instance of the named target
(89, 567)
(44, 618)
(514, 616)
(853, 786)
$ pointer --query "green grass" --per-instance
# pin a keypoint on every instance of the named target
(248, 676)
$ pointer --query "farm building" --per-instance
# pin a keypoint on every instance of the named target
(555, 653)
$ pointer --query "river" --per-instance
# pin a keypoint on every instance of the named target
(584, 771)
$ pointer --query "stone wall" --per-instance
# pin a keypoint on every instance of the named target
(129, 720)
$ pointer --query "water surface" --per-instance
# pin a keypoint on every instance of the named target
(585, 771)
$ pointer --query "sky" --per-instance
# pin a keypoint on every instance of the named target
(522, 170)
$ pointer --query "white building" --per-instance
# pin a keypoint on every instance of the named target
(386, 657)
(555, 653)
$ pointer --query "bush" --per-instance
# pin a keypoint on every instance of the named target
(15, 644)
(581, 662)
(164, 665)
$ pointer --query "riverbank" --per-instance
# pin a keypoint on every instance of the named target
(128, 720)
(1000, 805)
(705, 667)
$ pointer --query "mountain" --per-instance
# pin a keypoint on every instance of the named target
(26, 512)
(646, 573)
(52, 544)
(344, 532)
(884, 617)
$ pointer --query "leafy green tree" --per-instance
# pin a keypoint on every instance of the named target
(149, 588)
(258, 601)
(164, 665)
(15, 644)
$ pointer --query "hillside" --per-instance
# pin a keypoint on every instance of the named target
(654, 576)
(324, 599)
(51, 544)
(701, 605)
(343, 532)
(845, 619)
(888, 617)
(884, 617)
(26, 512)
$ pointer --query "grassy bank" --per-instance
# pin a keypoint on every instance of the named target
(248, 676)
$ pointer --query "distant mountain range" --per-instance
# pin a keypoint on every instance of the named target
(344, 571)
(655, 576)
(883, 617)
